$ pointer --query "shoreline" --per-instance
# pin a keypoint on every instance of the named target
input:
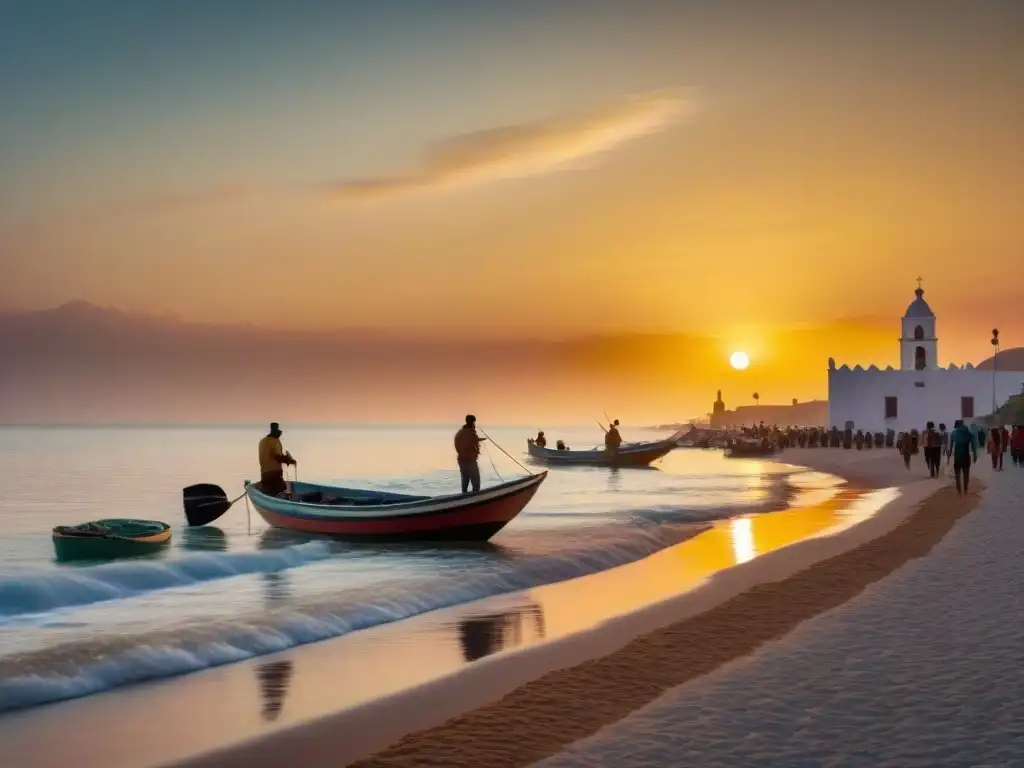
(262, 697)
(339, 700)
(437, 713)
(544, 716)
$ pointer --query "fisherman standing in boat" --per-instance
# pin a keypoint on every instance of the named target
(273, 457)
(467, 448)
(612, 438)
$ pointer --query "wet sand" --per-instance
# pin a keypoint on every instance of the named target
(330, 703)
(372, 674)
(515, 708)
(546, 715)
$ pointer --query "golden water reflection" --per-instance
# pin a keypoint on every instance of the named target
(330, 676)
(572, 606)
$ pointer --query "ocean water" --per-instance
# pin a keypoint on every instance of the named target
(238, 589)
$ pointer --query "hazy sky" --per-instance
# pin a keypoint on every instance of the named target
(485, 166)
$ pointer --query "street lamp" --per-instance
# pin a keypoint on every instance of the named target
(995, 365)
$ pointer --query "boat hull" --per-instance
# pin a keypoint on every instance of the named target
(69, 546)
(630, 457)
(475, 516)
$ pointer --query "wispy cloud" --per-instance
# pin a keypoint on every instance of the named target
(527, 149)
(226, 193)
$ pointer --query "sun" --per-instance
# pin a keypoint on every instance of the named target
(739, 360)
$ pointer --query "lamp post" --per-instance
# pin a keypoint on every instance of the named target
(757, 412)
(995, 366)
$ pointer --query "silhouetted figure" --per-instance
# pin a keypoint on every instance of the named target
(932, 449)
(903, 444)
(273, 458)
(1017, 446)
(467, 449)
(541, 440)
(963, 448)
(995, 447)
(612, 438)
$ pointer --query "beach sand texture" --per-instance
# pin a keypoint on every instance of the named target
(925, 669)
(546, 715)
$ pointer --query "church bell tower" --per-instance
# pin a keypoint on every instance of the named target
(919, 346)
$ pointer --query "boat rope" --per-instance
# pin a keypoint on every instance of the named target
(248, 511)
(505, 452)
(493, 465)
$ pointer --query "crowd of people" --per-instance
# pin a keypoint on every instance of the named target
(959, 447)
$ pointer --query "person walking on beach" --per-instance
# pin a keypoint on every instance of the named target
(467, 449)
(273, 458)
(932, 449)
(1017, 445)
(963, 449)
(905, 447)
(995, 447)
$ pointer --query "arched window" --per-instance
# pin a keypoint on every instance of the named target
(920, 359)
(918, 333)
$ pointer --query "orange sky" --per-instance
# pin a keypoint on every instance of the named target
(505, 172)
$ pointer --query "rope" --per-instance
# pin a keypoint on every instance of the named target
(505, 452)
(248, 512)
(493, 465)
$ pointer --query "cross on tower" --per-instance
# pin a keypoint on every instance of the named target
(919, 282)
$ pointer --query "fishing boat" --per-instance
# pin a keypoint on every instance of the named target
(628, 454)
(358, 514)
(108, 539)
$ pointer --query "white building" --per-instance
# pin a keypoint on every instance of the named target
(875, 399)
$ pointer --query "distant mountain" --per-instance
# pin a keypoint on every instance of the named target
(79, 362)
(82, 362)
(1009, 360)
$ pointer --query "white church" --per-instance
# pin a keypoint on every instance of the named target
(920, 391)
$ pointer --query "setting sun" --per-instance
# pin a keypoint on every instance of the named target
(739, 360)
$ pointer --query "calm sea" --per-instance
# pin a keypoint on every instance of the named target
(238, 589)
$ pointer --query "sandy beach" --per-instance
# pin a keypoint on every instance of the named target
(518, 709)
(546, 715)
(924, 668)
(562, 660)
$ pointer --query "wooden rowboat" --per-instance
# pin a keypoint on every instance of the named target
(108, 539)
(363, 514)
(353, 513)
(628, 454)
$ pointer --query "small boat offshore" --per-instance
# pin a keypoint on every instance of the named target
(627, 454)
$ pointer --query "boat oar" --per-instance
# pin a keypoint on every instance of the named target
(205, 502)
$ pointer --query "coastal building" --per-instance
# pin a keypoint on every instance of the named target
(796, 414)
(920, 390)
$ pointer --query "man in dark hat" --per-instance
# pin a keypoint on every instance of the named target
(467, 448)
(273, 457)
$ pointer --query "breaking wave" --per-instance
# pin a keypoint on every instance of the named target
(80, 668)
(71, 587)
